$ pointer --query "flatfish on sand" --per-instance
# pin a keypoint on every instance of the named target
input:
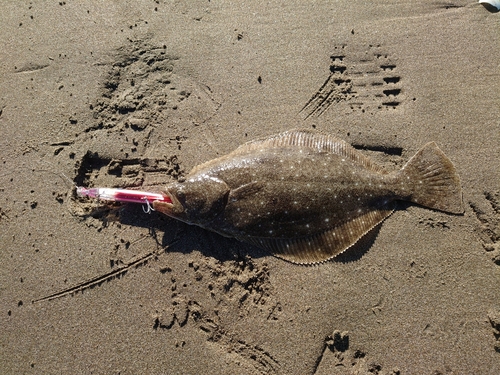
(305, 196)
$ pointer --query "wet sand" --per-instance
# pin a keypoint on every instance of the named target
(134, 94)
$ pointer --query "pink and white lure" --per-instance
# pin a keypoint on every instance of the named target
(121, 195)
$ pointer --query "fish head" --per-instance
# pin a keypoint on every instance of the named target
(196, 201)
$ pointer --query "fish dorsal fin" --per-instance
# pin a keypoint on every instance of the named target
(311, 140)
(325, 245)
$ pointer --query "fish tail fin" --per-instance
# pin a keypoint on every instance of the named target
(434, 180)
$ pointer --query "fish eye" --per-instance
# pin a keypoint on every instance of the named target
(181, 195)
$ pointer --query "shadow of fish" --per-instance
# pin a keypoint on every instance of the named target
(305, 196)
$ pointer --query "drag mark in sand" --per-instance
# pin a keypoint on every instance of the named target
(97, 281)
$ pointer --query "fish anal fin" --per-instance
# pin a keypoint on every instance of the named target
(326, 245)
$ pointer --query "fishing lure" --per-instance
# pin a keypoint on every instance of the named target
(123, 195)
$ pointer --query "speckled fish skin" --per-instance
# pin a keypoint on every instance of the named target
(305, 196)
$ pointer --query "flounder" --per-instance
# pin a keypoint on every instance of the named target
(306, 196)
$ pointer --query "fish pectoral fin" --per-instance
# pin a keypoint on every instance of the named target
(245, 190)
(325, 245)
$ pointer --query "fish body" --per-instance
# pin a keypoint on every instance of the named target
(306, 196)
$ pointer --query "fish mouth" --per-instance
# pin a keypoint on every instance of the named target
(166, 205)
(167, 198)
(170, 206)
